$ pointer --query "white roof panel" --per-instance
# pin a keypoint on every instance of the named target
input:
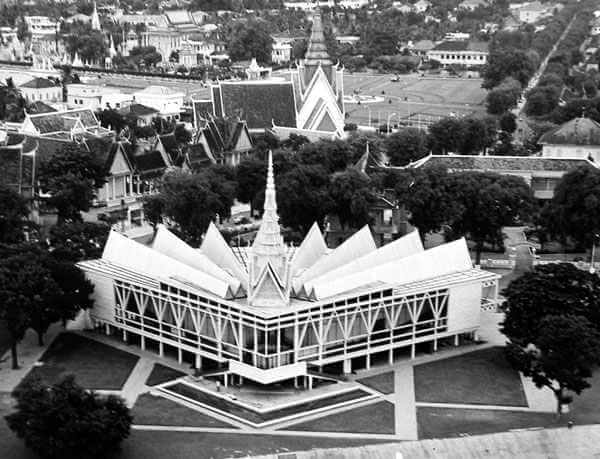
(439, 261)
(168, 244)
(312, 248)
(128, 253)
(219, 252)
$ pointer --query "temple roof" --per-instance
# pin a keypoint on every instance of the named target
(578, 131)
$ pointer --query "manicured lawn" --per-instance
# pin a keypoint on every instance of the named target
(183, 445)
(377, 418)
(449, 422)
(256, 417)
(162, 374)
(383, 383)
(481, 377)
(151, 410)
(94, 364)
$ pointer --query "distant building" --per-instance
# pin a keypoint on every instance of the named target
(41, 89)
(42, 28)
(96, 97)
(577, 138)
(471, 5)
(466, 53)
(282, 49)
(140, 114)
(422, 47)
(310, 103)
(422, 5)
(167, 101)
(66, 124)
(542, 174)
(534, 11)
(309, 6)
(353, 4)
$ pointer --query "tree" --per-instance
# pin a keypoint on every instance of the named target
(426, 195)
(479, 134)
(334, 155)
(251, 39)
(112, 119)
(305, 195)
(561, 357)
(352, 198)
(65, 421)
(71, 177)
(182, 135)
(487, 202)
(77, 241)
(517, 64)
(405, 146)
(542, 100)
(446, 135)
(13, 215)
(146, 56)
(503, 97)
(192, 201)
(251, 179)
(508, 122)
(12, 102)
(575, 208)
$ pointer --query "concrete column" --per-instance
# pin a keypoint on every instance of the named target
(412, 350)
(198, 363)
(368, 361)
(143, 342)
(125, 335)
(456, 339)
(391, 357)
(161, 349)
(435, 344)
(476, 336)
(241, 380)
(310, 383)
(295, 382)
(347, 366)
(225, 379)
(107, 329)
(179, 355)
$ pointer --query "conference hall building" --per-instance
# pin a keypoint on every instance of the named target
(271, 312)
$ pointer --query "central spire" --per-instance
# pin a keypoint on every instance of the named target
(268, 241)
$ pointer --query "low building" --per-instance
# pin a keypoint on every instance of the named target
(472, 5)
(532, 12)
(281, 51)
(577, 138)
(422, 5)
(541, 174)
(271, 313)
(96, 97)
(41, 89)
(467, 53)
(139, 114)
(42, 28)
(167, 101)
(17, 154)
(422, 47)
(353, 4)
(66, 124)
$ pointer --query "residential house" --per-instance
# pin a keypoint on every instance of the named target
(139, 114)
(167, 101)
(577, 138)
(467, 53)
(96, 97)
(282, 48)
(221, 141)
(66, 124)
(41, 89)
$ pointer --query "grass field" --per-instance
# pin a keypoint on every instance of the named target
(383, 383)
(162, 374)
(413, 98)
(94, 364)
(377, 418)
(481, 377)
(151, 410)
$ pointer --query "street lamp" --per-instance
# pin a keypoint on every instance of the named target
(388, 121)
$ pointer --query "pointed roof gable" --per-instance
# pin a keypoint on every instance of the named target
(357, 245)
(438, 261)
(128, 253)
(219, 252)
(168, 244)
(311, 249)
(269, 290)
(406, 246)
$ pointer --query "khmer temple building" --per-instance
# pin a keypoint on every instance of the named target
(271, 312)
(307, 101)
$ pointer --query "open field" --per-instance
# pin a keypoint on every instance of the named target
(414, 98)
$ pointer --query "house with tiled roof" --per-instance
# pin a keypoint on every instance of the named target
(41, 89)
(541, 173)
(66, 124)
(309, 102)
(220, 141)
(577, 138)
(460, 52)
(140, 114)
(16, 156)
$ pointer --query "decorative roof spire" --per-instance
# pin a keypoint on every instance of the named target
(268, 239)
(95, 19)
(316, 53)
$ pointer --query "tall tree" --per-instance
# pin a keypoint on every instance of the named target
(251, 179)
(489, 201)
(575, 208)
(352, 196)
(13, 215)
(405, 146)
(446, 135)
(71, 177)
(503, 97)
(334, 155)
(251, 39)
(65, 421)
(479, 134)
(303, 197)
(78, 241)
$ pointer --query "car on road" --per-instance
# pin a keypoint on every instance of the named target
(395, 79)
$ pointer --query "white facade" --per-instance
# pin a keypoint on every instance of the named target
(271, 312)
(461, 57)
(95, 97)
(46, 94)
(167, 101)
(41, 27)
(281, 53)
